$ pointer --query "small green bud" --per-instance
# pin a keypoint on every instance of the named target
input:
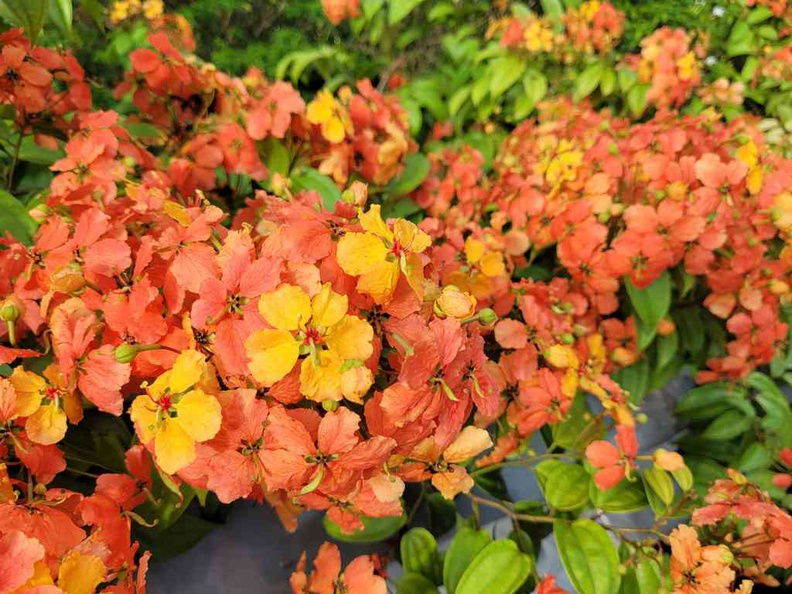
(330, 405)
(487, 316)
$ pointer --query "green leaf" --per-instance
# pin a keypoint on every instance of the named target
(61, 13)
(28, 14)
(500, 568)
(416, 168)
(587, 81)
(660, 483)
(457, 100)
(634, 379)
(399, 9)
(741, 39)
(643, 578)
(535, 85)
(95, 10)
(756, 456)
(667, 347)
(607, 81)
(588, 556)
(504, 73)
(276, 156)
(566, 486)
(708, 401)
(143, 130)
(727, 426)
(554, 11)
(636, 99)
(415, 583)
(758, 15)
(418, 550)
(626, 78)
(400, 208)
(15, 219)
(463, 549)
(31, 152)
(624, 498)
(311, 179)
(374, 529)
(651, 303)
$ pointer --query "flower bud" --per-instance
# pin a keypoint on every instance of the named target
(455, 303)
(669, 461)
(665, 327)
(330, 405)
(487, 317)
(39, 213)
(356, 194)
(10, 311)
(355, 382)
(126, 353)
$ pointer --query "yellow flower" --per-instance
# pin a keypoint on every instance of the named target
(749, 154)
(152, 9)
(455, 303)
(177, 413)
(46, 406)
(378, 255)
(686, 66)
(319, 327)
(325, 111)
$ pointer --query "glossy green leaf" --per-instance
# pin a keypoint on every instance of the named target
(642, 578)
(708, 401)
(415, 583)
(727, 426)
(626, 77)
(637, 99)
(418, 550)
(660, 483)
(61, 14)
(554, 9)
(588, 556)
(504, 73)
(651, 303)
(311, 179)
(467, 543)
(667, 347)
(634, 379)
(587, 81)
(756, 456)
(624, 498)
(15, 219)
(566, 486)
(28, 14)
(374, 529)
(399, 9)
(500, 568)
(95, 10)
(416, 168)
(741, 39)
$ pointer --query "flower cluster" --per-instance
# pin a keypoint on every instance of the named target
(364, 134)
(617, 201)
(121, 10)
(592, 28)
(670, 65)
(756, 532)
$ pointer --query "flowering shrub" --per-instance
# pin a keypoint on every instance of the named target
(224, 290)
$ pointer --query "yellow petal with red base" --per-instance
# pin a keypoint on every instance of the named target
(47, 425)
(351, 338)
(286, 308)
(198, 414)
(174, 449)
(273, 354)
(360, 252)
